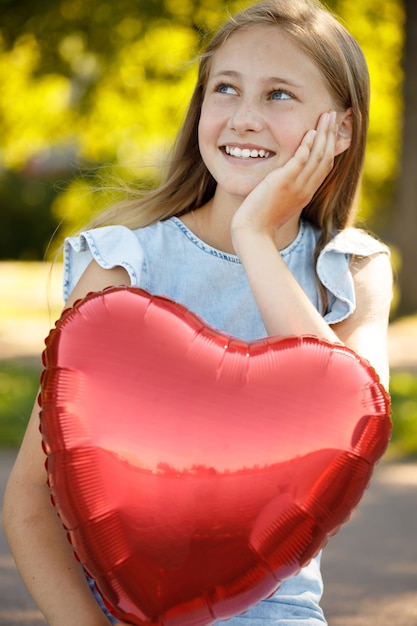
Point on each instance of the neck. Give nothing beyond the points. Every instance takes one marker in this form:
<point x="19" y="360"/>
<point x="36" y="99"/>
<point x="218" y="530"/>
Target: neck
<point x="212" y="224"/>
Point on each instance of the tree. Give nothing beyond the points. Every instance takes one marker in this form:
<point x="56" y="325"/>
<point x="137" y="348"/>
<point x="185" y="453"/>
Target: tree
<point x="378" y="27"/>
<point x="87" y="85"/>
<point x="404" y="214"/>
<point x="92" y="89"/>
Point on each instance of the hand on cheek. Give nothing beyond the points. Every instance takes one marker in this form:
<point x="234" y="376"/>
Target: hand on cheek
<point x="314" y="158"/>
<point x="284" y="192"/>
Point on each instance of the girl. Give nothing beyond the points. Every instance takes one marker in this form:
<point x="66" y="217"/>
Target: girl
<point x="251" y="231"/>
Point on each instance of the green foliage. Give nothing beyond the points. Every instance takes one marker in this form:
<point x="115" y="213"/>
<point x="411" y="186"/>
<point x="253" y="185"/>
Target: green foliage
<point x="93" y="82"/>
<point x="18" y="388"/>
<point x="25" y="217"/>
<point x="403" y="388"/>
<point x="379" y="29"/>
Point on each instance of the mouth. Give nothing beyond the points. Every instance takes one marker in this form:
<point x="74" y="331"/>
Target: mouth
<point x="246" y="153"/>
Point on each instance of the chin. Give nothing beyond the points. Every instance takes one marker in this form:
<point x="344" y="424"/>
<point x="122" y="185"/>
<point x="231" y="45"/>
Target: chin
<point x="239" y="190"/>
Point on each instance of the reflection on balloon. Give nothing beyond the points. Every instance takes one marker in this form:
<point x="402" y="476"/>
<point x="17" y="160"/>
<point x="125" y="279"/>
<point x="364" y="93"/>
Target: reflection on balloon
<point x="194" y="471"/>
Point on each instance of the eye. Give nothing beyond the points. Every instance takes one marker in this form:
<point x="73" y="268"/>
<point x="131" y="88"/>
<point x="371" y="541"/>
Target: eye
<point x="227" y="89"/>
<point x="280" y="94"/>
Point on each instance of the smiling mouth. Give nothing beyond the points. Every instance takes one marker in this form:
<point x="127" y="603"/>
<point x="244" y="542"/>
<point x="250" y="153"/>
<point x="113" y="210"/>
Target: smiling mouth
<point x="246" y="153"/>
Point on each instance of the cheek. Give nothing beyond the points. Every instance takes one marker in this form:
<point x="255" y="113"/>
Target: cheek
<point x="289" y="132"/>
<point x="202" y="138"/>
<point x="288" y="140"/>
<point x="214" y="116"/>
<point x="203" y="124"/>
<point x="208" y="131"/>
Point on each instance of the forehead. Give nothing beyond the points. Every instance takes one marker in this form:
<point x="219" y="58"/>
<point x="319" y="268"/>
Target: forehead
<point x="265" y="51"/>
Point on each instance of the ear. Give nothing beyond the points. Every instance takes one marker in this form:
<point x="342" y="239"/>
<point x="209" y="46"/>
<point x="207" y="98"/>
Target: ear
<point x="344" y="132"/>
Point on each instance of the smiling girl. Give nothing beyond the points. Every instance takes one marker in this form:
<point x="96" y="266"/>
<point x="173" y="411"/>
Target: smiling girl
<point x="251" y="230"/>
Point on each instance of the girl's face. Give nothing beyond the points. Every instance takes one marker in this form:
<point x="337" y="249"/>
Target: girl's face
<point x="262" y="96"/>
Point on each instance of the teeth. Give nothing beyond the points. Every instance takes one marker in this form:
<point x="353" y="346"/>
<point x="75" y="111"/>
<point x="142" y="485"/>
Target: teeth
<point x="246" y="153"/>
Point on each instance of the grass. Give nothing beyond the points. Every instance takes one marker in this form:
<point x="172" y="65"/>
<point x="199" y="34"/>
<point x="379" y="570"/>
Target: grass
<point x="19" y="384"/>
<point x="403" y="389"/>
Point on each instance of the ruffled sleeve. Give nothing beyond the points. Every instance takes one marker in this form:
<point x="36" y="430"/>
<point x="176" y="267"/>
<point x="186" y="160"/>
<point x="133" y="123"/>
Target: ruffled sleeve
<point x="334" y="272"/>
<point x="110" y="246"/>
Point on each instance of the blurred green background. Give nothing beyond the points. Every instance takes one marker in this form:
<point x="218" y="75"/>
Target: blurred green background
<point x="92" y="93"/>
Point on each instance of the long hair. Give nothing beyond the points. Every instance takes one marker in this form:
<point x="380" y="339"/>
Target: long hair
<point x="189" y="185"/>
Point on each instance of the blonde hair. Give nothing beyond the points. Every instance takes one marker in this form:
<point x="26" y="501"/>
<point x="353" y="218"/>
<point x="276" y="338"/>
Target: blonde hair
<point x="188" y="184"/>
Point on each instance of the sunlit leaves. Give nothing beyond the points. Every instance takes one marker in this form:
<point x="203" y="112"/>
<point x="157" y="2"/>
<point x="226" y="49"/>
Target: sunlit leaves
<point x="379" y="29"/>
<point x="108" y="82"/>
<point x="34" y="109"/>
<point x="140" y="100"/>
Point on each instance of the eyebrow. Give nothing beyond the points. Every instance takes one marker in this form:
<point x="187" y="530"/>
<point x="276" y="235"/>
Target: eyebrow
<point x="271" y="79"/>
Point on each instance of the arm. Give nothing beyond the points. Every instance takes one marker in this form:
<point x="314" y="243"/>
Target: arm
<point x="35" y="534"/>
<point x="286" y="310"/>
<point x="272" y="208"/>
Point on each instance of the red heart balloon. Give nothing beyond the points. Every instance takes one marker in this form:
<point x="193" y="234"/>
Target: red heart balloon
<point x="194" y="471"/>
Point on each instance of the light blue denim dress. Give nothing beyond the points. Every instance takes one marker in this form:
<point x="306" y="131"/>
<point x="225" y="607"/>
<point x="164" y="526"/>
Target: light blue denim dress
<point x="167" y="259"/>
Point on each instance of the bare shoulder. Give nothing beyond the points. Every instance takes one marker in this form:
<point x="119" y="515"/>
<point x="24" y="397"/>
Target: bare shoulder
<point x="96" y="278"/>
<point x="365" y="331"/>
<point x="373" y="281"/>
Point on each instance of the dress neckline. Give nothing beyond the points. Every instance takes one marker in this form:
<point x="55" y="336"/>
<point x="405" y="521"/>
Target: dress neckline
<point x="227" y="256"/>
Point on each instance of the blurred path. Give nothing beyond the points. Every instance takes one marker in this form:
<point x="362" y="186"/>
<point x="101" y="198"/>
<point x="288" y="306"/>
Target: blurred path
<point x="370" y="566"/>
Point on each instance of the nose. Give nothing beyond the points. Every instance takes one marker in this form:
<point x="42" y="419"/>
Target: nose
<point x="246" y="116"/>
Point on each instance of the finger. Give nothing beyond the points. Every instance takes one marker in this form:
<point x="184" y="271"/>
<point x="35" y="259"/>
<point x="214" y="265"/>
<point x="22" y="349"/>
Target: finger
<point x="314" y="142"/>
<point x="325" y="144"/>
<point x="321" y="155"/>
